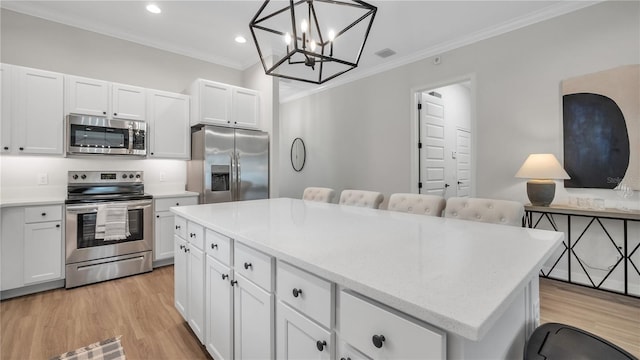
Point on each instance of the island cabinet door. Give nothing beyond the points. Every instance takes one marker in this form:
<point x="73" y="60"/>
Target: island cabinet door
<point x="300" y="338"/>
<point x="180" y="275"/>
<point x="219" y="310"/>
<point x="195" y="291"/>
<point x="381" y="333"/>
<point x="253" y="320"/>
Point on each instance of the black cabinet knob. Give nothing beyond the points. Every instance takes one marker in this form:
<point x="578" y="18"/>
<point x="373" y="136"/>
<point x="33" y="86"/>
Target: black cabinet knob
<point x="158" y="216"/>
<point x="214" y="246"/>
<point x="233" y="282"/>
<point x="345" y="358"/>
<point x="297" y="292"/>
<point x="225" y="276"/>
<point x="44" y="214"/>
<point x="321" y="344"/>
<point x="186" y="249"/>
<point x="6" y="148"/>
<point x="57" y="225"/>
<point x="177" y="204"/>
<point x="104" y="113"/>
<point x="181" y="247"/>
<point x="115" y="114"/>
<point x="21" y="148"/>
<point x="378" y="340"/>
<point x="177" y="227"/>
<point x="192" y="235"/>
<point x="247" y="266"/>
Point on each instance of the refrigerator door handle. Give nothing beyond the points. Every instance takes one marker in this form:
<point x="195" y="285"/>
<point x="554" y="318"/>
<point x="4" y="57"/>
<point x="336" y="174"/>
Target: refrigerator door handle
<point x="234" y="177"/>
<point x="238" y="176"/>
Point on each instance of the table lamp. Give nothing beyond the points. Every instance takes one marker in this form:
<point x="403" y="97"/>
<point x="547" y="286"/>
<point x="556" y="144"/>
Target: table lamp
<point x="542" y="169"/>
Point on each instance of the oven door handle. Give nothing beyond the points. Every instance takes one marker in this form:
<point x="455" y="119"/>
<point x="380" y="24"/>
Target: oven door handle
<point x="87" y="208"/>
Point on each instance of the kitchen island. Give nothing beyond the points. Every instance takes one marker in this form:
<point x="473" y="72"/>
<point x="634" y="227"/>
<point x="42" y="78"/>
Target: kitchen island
<point x="472" y="287"/>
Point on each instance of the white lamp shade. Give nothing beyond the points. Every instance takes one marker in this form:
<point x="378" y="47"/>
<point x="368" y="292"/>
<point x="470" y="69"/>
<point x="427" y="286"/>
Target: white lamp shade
<point x="542" y="166"/>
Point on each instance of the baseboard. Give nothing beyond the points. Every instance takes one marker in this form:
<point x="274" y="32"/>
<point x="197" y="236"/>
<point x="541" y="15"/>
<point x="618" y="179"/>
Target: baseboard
<point x="162" y="262"/>
<point x="31" y="289"/>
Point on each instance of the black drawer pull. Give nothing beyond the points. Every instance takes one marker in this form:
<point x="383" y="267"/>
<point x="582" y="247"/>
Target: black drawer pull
<point x="6" y="148"/>
<point x="378" y="340"/>
<point x="345" y="359"/>
<point x="214" y="246"/>
<point x="57" y="225"/>
<point x="321" y="344"/>
<point x="225" y="276"/>
<point x="192" y="235"/>
<point x="177" y="204"/>
<point x="247" y="266"/>
<point x="44" y="214"/>
<point x="21" y="148"/>
<point x="233" y="282"/>
<point x="177" y="227"/>
<point x="181" y="247"/>
<point x="297" y="292"/>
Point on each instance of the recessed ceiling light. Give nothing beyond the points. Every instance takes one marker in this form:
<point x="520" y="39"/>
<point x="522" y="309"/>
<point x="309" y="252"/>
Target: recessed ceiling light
<point x="153" y="8"/>
<point x="240" y="39"/>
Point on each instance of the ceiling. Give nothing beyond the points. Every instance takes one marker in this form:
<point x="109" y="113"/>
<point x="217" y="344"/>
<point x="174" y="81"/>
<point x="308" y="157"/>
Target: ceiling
<point x="206" y="29"/>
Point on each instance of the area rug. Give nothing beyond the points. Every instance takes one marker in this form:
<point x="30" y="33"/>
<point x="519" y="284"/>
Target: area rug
<point x="109" y="349"/>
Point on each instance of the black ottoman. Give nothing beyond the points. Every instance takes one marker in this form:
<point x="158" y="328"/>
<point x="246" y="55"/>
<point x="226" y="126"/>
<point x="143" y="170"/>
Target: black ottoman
<point x="554" y="341"/>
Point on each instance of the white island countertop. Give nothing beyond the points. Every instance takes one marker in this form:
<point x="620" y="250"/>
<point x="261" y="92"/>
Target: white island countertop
<point x="457" y="275"/>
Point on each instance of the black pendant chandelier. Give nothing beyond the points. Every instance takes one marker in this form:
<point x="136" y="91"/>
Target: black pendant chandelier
<point x="311" y="40"/>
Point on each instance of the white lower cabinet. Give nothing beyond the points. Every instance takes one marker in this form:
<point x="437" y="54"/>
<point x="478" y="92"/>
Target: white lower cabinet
<point x="189" y="275"/>
<point x="299" y="337"/>
<point x="381" y="333"/>
<point x="253" y="309"/>
<point x="32" y="246"/>
<point x="219" y="310"/>
<point x="163" y="244"/>
<point x="180" y="276"/>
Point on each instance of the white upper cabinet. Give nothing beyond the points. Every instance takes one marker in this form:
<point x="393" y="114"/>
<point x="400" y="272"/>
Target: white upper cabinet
<point x="216" y="103"/>
<point x="37" y="111"/>
<point x="169" y="129"/>
<point x="87" y="96"/>
<point x="5" y="112"/>
<point x="246" y="108"/>
<point x="101" y="98"/>
<point x="129" y="102"/>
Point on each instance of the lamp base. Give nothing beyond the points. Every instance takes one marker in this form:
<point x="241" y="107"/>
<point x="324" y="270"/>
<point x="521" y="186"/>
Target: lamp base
<point x="541" y="192"/>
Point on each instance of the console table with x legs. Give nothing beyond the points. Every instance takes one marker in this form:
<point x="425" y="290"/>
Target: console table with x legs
<point x="593" y="237"/>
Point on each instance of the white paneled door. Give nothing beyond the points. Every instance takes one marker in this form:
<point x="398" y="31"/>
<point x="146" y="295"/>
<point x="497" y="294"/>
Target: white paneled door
<point x="445" y="152"/>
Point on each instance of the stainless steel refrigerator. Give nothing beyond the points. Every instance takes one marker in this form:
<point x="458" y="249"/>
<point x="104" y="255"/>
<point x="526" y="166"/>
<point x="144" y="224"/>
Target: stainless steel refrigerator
<point x="228" y="164"/>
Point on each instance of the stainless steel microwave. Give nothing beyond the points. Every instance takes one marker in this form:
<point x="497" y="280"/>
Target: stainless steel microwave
<point x="99" y="135"/>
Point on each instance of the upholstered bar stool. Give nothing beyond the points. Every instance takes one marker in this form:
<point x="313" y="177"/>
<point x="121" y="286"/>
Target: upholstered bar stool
<point x="361" y="198"/>
<point x="431" y="205"/>
<point x="319" y="194"/>
<point x="485" y="210"/>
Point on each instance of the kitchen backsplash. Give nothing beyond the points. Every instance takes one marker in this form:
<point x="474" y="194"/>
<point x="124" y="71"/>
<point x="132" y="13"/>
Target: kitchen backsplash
<point x="22" y="176"/>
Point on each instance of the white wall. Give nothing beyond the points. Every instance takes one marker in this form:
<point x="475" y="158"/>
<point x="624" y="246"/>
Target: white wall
<point x="358" y="134"/>
<point x="38" y="43"/>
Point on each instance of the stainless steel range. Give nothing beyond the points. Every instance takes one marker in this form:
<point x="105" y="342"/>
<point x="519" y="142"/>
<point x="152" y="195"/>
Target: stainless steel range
<point x="109" y="229"/>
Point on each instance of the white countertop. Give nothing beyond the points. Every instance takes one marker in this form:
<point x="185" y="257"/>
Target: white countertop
<point x="456" y="275"/>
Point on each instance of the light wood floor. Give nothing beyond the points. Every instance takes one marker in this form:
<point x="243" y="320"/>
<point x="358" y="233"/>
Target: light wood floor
<point x="141" y="309"/>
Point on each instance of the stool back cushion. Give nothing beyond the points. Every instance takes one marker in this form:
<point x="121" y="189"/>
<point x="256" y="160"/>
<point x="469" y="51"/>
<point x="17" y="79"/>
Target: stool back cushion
<point x="319" y="194"/>
<point x="431" y="205"/>
<point x="485" y="210"/>
<point x="361" y="198"/>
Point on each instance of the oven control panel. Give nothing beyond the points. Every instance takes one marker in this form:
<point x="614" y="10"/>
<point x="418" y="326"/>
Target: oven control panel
<point x="99" y="177"/>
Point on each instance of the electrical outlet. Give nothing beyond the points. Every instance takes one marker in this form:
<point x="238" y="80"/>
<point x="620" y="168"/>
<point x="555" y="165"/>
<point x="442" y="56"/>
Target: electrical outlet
<point x="163" y="176"/>
<point x="43" y="179"/>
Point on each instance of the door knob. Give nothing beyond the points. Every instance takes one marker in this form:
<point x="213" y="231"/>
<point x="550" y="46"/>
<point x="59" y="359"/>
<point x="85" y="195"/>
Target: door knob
<point x="378" y="340"/>
<point x="321" y="344"/>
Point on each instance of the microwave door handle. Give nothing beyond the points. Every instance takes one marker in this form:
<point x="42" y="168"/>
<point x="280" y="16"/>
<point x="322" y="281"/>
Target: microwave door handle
<point x="130" y="142"/>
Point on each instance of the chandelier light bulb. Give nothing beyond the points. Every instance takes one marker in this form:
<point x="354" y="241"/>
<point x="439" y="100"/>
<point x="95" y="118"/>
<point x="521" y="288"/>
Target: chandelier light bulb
<point x="304" y="26"/>
<point x="312" y="45"/>
<point x="332" y="35"/>
<point x="287" y="38"/>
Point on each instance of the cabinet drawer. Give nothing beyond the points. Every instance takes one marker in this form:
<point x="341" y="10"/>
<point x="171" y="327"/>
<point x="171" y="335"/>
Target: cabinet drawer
<point x="218" y="246"/>
<point x="195" y="235"/>
<point x="165" y="204"/>
<point x="307" y="293"/>
<point x="253" y="265"/>
<point x="35" y="214"/>
<point x="180" y="228"/>
<point x="367" y="326"/>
